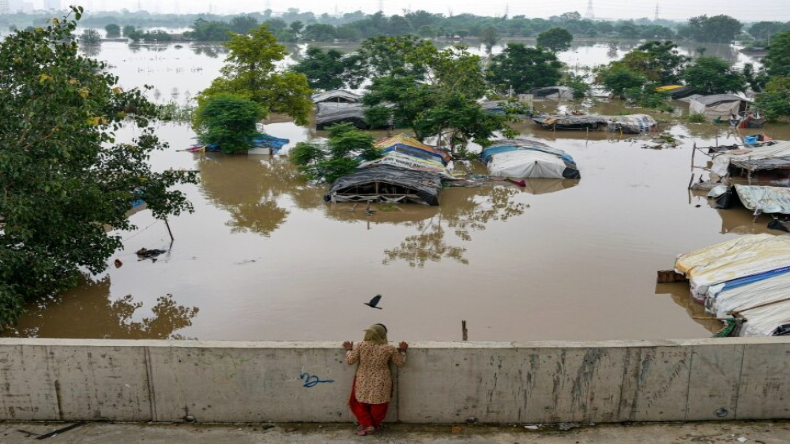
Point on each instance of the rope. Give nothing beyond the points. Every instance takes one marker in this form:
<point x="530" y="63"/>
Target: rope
<point x="141" y="231"/>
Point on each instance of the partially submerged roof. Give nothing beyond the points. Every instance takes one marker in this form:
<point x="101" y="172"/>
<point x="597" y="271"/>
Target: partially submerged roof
<point x="408" y="145"/>
<point x="336" y="95"/>
<point x="760" y="199"/>
<point x="552" y="92"/>
<point x="328" y="113"/>
<point x="716" y="99"/>
<point x="768" y="157"/>
<point x="386" y="183"/>
<point x="522" y="158"/>
<point x="733" y="259"/>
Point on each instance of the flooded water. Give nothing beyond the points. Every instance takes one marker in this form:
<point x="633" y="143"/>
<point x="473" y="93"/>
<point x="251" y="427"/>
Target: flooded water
<point x="264" y="258"/>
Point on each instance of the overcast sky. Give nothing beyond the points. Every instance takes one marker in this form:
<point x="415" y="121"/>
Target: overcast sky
<point x="755" y="10"/>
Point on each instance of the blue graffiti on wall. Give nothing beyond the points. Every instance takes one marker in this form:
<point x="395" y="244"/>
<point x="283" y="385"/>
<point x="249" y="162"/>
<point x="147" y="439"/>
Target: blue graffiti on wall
<point x="313" y="380"/>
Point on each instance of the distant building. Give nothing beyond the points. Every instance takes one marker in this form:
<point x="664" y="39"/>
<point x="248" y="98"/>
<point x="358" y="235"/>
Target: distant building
<point x="4" y="7"/>
<point x="20" y="6"/>
<point x="52" y="5"/>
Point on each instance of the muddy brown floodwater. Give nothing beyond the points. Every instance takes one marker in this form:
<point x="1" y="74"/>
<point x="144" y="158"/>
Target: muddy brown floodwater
<point x="264" y="258"/>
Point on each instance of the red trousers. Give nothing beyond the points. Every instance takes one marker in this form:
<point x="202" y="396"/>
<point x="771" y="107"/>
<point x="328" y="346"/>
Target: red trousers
<point x="368" y="415"/>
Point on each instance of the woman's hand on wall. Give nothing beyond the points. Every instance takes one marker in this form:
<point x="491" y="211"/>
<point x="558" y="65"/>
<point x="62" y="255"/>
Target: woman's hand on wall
<point x="348" y="345"/>
<point x="403" y="346"/>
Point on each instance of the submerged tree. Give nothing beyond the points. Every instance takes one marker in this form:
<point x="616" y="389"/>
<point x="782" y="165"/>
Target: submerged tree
<point x="63" y="177"/>
<point x="555" y="40"/>
<point x="339" y="157"/>
<point x="113" y="30"/>
<point x="228" y="121"/>
<point x="712" y="75"/>
<point x="524" y="68"/>
<point x="251" y="71"/>
<point x="777" y="62"/>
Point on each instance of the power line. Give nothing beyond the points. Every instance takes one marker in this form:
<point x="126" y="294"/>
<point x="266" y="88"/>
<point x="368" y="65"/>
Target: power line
<point x="656" y="19"/>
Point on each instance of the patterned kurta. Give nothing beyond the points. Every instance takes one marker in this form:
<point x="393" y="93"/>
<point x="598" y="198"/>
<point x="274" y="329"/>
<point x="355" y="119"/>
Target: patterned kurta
<point x="374" y="381"/>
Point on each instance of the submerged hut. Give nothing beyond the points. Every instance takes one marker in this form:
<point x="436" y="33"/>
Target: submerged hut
<point x="745" y="279"/>
<point x="774" y="157"/>
<point x="387" y="183"/>
<point x="758" y="199"/>
<point x="552" y="92"/>
<point x="523" y="158"/>
<point x="336" y="96"/>
<point x="328" y="114"/>
<point x="629" y="124"/>
<point x="720" y="106"/>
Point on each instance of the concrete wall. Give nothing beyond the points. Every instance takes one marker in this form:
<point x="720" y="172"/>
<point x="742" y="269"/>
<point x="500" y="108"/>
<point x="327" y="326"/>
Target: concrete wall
<point x="540" y="382"/>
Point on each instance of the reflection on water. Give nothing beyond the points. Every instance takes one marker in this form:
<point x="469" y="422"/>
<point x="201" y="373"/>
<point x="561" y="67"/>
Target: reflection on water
<point x="90" y="312"/>
<point x="681" y="295"/>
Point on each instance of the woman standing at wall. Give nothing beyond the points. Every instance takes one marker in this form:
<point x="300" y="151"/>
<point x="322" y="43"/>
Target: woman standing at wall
<point x="372" y="389"/>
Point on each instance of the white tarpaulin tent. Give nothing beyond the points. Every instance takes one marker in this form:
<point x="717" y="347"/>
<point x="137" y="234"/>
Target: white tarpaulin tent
<point x="776" y="156"/>
<point x="718" y="105"/>
<point x="522" y="164"/>
<point x="763" y="321"/>
<point x="734" y="259"/>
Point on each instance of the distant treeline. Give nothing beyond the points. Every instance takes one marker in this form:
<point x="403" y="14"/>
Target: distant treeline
<point x="294" y="26"/>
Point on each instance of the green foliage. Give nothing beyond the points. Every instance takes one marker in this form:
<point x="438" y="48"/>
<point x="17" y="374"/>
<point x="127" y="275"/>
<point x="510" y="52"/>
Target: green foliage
<point x="712" y="75"/>
<point x="524" y="68"/>
<point x="90" y="37"/>
<point x="243" y="24"/>
<point x="646" y="96"/>
<point x="766" y="30"/>
<point x="555" y="40"/>
<point x="657" y="62"/>
<point x="489" y="37"/>
<point x="719" y="28"/>
<point x="755" y="79"/>
<point x="339" y="158"/>
<point x="578" y="83"/>
<point x="113" y="31"/>
<point x="401" y="56"/>
<point x="64" y="179"/>
<point x="330" y="69"/>
<point x="696" y="118"/>
<point x="250" y="71"/>
<point x="209" y="31"/>
<point x="777" y="62"/>
<point x="617" y="78"/>
<point x="378" y="116"/>
<point x="775" y="101"/>
<point x="228" y="121"/>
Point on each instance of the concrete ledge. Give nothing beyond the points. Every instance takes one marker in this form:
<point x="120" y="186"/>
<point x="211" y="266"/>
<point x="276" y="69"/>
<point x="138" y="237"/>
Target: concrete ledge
<point x="442" y="382"/>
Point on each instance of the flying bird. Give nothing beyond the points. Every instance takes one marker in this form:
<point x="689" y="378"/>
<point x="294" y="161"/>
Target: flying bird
<point x="374" y="302"/>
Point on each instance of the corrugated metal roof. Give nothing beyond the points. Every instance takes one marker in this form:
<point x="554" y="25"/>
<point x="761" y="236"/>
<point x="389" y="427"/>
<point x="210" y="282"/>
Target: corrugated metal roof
<point x="767" y="200"/>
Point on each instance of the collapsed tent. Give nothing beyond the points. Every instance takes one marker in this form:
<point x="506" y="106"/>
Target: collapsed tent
<point x="336" y="96"/>
<point x="552" y="92"/>
<point x="759" y="199"/>
<point x="676" y="91"/>
<point x="386" y="183"/>
<point x="523" y="158"/>
<point x="632" y="123"/>
<point x="629" y="124"/>
<point x="275" y="144"/>
<point x="737" y="258"/>
<point x="571" y="122"/>
<point x="770" y="157"/>
<point x="717" y="105"/>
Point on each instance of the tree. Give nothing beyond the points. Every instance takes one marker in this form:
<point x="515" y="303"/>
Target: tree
<point x="296" y="27"/>
<point x="777" y="62"/>
<point x="719" y="28"/>
<point x="250" y="71"/>
<point x="766" y="30"/>
<point x="339" y="157"/>
<point x="209" y="31"/>
<point x="318" y="32"/>
<point x="90" y="37"/>
<point x="228" y="121"/>
<point x="324" y="70"/>
<point x="775" y="101"/>
<point x="618" y="78"/>
<point x="113" y="31"/>
<point x="401" y="55"/>
<point x="524" y="68"/>
<point x="242" y="24"/>
<point x="712" y="75"/>
<point x="555" y="40"/>
<point x="128" y="30"/>
<point x="63" y="176"/>
<point x="489" y="38"/>
<point x="657" y="61"/>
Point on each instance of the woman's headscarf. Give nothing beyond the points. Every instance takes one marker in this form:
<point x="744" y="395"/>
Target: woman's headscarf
<point x="376" y="333"/>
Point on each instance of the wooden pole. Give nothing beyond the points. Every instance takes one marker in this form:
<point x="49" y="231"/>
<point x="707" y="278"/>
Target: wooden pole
<point x="693" y="153"/>
<point x="464" y="332"/>
<point x="167" y="224"/>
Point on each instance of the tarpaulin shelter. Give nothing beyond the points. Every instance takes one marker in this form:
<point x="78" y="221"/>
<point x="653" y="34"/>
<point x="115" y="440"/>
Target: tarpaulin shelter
<point x="522" y="158"/>
<point x="328" y="113"/>
<point x="336" y="96"/>
<point x="570" y="122"/>
<point x="769" y="157"/>
<point x="386" y="183"/>
<point x="676" y="91"/>
<point x="734" y="259"/>
<point x="275" y="144"/>
<point x="552" y="92"/>
<point x="759" y="199"/>
<point x="632" y="123"/>
<point x="717" y="105"/>
<point x="408" y="145"/>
